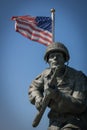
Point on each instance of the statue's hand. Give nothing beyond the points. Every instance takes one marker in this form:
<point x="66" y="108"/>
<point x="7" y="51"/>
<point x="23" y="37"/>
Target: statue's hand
<point x="51" y="92"/>
<point x="54" y="96"/>
<point x="38" y="102"/>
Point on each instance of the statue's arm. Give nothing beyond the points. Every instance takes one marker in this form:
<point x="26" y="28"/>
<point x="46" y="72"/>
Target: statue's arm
<point x="75" y="103"/>
<point x="36" y="89"/>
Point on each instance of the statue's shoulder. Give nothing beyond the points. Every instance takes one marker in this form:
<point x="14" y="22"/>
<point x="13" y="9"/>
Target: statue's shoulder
<point x="72" y="70"/>
<point x="75" y="72"/>
<point x="43" y="74"/>
<point x="46" y="71"/>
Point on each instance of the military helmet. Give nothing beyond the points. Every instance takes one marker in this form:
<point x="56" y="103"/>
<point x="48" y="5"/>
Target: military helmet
<point x="57" y="47"/>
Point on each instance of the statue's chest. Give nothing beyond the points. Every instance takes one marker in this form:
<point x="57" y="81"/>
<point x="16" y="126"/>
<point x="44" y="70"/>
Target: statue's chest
<point x="65" y="84"/>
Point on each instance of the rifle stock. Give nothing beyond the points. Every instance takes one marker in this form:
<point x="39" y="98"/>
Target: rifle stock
<point x="44" y="104"/>
<point x="41" y="112"/>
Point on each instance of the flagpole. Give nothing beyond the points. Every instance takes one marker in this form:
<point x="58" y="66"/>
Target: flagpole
<point x="53" y="24"/>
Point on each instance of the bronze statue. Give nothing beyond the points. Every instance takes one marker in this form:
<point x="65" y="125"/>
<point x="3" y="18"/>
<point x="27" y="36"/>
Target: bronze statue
<point x="61" y="88"/>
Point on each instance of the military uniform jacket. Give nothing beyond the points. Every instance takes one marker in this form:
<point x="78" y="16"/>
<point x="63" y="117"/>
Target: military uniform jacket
<point x="72" y="97"/>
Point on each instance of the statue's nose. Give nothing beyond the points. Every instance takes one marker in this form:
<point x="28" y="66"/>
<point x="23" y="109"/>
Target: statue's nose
<point x="55" y="57"/>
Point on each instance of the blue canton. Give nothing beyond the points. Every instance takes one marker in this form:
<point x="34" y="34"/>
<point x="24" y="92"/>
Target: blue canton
<point x="44" y="23"/>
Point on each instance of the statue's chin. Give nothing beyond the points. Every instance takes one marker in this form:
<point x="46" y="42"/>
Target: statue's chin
<point x="56" y="66"/>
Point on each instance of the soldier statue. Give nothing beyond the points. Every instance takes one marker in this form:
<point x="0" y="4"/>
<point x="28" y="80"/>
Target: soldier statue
<point x="67" y="95"/>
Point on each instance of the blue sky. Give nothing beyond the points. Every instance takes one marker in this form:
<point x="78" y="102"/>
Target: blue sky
<point x="22" y="59"/>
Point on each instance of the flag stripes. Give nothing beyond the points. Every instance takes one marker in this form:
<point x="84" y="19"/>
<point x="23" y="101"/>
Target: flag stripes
<point x="29" y="29"/>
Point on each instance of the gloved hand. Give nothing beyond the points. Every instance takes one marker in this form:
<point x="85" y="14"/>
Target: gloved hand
<point x="38" y="102"/>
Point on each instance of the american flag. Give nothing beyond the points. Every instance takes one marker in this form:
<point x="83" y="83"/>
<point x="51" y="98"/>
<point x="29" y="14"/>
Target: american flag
<point x="34" y="28"/>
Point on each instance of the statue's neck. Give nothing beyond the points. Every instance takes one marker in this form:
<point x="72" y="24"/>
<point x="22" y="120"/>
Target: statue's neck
<point x="61" y="71"/>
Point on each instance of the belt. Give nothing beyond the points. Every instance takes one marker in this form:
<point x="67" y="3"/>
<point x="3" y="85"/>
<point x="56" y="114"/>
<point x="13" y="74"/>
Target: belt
<point x="59" y="116"/>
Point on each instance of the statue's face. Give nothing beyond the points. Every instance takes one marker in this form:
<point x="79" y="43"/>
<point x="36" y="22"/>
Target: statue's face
<point x="56" y="59"/>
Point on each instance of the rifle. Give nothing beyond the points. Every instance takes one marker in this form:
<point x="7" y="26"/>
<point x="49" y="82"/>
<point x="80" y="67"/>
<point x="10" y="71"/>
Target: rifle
<point x="45" y="102"/>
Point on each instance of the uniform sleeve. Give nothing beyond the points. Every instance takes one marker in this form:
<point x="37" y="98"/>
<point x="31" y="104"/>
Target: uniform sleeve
<point x="77" y="102"/>
<point x="36" y="89"/>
